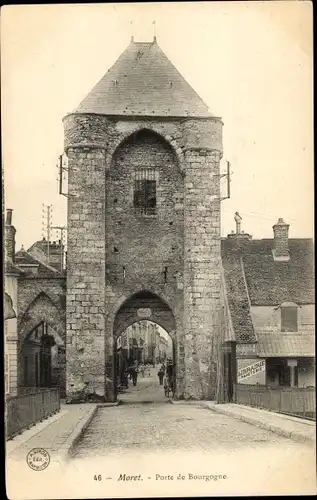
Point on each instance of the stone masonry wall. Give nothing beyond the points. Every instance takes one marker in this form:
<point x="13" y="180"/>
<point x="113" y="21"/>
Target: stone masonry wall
<point x="151" y="241"/>
<point x="41" y="300"/>
<point x="85" y="304"/>
<point x="101" y="220"/>
<point x="202" y="269"/>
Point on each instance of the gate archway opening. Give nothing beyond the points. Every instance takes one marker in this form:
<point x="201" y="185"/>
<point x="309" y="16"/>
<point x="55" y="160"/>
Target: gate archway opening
<point x="42" y="359"/>
<point x="144" y="345"/>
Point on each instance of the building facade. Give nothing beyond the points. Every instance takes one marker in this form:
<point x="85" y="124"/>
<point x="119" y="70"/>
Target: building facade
<point x="143" y="221"/>
<point x="270" y="286"/>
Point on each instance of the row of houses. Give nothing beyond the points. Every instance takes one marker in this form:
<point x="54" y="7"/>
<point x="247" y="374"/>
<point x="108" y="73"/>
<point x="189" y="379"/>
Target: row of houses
<point x="152" y="342"/>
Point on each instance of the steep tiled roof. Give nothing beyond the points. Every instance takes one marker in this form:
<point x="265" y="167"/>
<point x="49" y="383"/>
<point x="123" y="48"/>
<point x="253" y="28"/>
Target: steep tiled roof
<point x="11" y="268"/>
<point x="252" y="276"/>
<point x="143" y="82"/>
<point x="285" y="344"/>
<point x="238" y="299"/>
<point x="23" y="258"/>
<point x="271" y="283"/>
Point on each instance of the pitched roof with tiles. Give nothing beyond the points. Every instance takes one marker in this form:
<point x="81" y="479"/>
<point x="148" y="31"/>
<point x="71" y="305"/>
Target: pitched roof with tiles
<point x="271" y="282"/>
<point x="286" y="345"/>
<point x="238" y="301"/>
<point x="254" y="278"/>
<point x="11" y="269"/>
<point x="23" y="258"/>
<point x="143" y="82"/>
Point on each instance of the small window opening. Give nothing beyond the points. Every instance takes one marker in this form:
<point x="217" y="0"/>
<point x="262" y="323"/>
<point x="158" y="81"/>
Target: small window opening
<point x="289" y="320"/>
<point x="165" y="275"/>
<point x="145" y="192"/>
<point x="115" y="250"/>
<point x="123" y="274"/>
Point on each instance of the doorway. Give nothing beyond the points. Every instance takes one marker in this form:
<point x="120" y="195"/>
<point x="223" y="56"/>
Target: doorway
<point x="144" y="364"/>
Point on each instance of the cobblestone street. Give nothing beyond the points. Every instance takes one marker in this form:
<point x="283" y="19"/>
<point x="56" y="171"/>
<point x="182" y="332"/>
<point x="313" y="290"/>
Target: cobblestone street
<point x="147" y="389"/>
<point x="161" y="439"/>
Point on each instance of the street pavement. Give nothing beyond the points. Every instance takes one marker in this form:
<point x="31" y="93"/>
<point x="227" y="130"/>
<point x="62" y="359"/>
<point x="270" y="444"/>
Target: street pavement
<point x="147" y="446"/>
<point x="147" y="389"/>
<point x="159" y="438"/>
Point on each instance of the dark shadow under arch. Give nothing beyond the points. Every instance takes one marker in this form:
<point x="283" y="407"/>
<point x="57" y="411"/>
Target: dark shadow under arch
<point x="143" y="302"/>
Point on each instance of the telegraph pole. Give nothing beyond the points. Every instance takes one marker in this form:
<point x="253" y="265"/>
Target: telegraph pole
<point x="47" y="220"/>
<point x="61" y="229"/>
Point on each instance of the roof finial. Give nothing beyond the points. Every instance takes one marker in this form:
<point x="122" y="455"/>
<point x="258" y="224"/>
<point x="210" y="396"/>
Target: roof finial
<point x="154" y="31"/>
<point x="238" y="219"/>
<point x="132" y="36"/>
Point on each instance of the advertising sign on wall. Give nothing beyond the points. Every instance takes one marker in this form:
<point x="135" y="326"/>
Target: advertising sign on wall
<point x="255" y="371"/>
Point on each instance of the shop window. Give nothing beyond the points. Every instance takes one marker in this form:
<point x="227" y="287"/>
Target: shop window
<point x="289" y="319"/>
<point x="144" y="196"/>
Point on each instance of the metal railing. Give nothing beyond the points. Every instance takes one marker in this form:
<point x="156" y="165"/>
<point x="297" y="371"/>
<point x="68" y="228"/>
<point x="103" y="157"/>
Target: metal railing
<point x="300" y="402"/>
<point x="25" y="410"/>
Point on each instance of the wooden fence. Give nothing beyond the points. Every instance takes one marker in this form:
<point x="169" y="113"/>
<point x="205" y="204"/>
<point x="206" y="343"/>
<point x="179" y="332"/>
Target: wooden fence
<point x="300" y="402"/>
<point x="25" y="410"/>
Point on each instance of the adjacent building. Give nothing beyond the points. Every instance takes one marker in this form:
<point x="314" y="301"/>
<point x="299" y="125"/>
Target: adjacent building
<point x="11" y="275"/>
<point x="270" y="289"/>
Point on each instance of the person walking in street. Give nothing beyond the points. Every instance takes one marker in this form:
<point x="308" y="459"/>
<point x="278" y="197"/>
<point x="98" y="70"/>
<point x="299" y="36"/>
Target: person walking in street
<point x="161" y="375"/>
<point x="134" y="374"/>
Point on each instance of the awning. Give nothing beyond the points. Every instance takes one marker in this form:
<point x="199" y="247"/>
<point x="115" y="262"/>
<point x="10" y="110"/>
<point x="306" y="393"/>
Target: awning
<point x="285" y="345"/>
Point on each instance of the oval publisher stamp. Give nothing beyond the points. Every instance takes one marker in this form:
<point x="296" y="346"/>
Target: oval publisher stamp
<point x="38" y="459"/>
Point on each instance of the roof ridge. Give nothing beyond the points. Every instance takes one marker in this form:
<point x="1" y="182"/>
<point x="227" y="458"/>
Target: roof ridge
<point x="39" y="261"/>
<point x="143" y="84"/>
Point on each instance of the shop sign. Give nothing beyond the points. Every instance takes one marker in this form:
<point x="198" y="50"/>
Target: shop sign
<point x="144" y="313"/>
<point x="251" y="370"/>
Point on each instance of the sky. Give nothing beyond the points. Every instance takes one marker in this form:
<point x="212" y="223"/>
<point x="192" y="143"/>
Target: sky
<point x="251" y="62"/>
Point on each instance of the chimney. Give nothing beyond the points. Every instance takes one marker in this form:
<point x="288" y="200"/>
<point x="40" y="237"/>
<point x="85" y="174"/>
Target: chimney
<point x="281" y="251"/>
<point x="9" y="237"/>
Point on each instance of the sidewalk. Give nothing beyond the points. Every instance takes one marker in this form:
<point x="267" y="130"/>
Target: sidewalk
<point x="57" y="434"/>
<point x="294" y="428"/>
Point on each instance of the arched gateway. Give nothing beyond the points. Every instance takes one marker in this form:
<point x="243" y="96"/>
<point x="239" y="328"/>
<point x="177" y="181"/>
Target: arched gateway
<point x="145" y="305"/>
<point x="143" y="221"/>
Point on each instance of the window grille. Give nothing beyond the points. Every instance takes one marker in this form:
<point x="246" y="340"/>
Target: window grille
<point x="144" y="199"/>
<point x="289" y="321"/>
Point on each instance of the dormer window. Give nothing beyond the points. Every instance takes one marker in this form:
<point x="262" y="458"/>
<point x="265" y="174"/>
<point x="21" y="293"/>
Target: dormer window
<point x="289" y="318"/>
<point x="144" y="196"/>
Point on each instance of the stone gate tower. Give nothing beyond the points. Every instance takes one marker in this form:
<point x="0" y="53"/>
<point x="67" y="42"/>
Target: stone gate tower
<point x="143" y="221"/>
